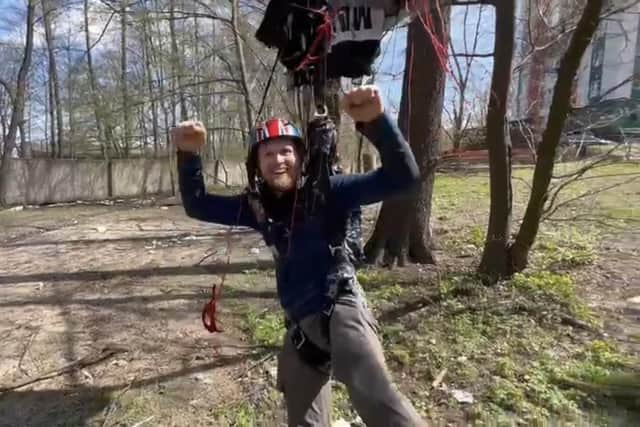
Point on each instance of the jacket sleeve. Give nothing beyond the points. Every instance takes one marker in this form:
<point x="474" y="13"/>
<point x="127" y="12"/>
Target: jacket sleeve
<point x="198" y="204"/>
<point x="398" y="174"/>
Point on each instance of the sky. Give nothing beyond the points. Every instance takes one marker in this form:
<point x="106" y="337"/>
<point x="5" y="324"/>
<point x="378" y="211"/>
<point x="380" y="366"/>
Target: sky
<point x="389" y="64"/>
<point x="392" y="58"/>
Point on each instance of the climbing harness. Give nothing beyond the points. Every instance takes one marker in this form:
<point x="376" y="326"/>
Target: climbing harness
<point x="318" y="41"/>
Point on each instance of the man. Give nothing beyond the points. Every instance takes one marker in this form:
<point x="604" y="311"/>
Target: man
<point x="330" y="331"/>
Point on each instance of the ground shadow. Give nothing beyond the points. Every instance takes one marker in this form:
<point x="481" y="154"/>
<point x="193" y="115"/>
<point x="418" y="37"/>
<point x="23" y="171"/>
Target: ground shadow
<point x="229" y="293"/>
<point x="75" y="406"/>
<point x="158" y="238"/>
<point x="178" y="270"/>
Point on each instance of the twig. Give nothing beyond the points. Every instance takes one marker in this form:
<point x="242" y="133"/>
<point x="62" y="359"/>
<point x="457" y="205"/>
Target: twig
<point x="262" y="360"/>
<point x="26" y="349"/>
<point x="206" y="256"/>
<point x="552" y="210"/>
<point x="146" y="420"/>
<point x="439" y="378"/>
<point x="578" y="324"/>
<point x="599" y="219"/>
<point x="105" y="354"/>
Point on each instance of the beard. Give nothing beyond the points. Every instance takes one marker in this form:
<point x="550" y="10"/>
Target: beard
<point x="282" y="183"/>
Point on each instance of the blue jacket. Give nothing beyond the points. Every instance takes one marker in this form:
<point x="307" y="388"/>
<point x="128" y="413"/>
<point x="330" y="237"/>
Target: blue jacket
<point x="301" y="270"/>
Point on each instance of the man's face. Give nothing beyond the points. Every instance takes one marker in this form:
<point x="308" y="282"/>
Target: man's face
<point x="279" y="164"/>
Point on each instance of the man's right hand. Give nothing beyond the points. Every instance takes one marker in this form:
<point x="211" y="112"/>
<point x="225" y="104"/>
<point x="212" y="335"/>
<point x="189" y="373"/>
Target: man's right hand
<point x="189" y="136"/>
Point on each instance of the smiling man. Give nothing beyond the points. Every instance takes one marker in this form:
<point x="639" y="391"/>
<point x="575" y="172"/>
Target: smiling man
<point x="330" y="330"/>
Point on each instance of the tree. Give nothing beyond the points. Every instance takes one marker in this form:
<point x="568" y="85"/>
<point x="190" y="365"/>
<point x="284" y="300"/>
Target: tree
<point x="493" y="261"/>
<point x="124" y="78"/>
<point x="17" y="114"/>
<point x="54" y="83"/>
<point x="241" y="61"/>
<point x="104" y="136"/>
<point x="546" y="154"/>
<point x="503" y="257"/>
<point x="403" y="226"/>
<point x="176" y="64"/>
<point x="459" y="114"/>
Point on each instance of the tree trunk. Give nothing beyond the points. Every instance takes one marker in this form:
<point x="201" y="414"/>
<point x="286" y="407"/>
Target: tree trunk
<point x="242" y="64"/>
<point x="105" y="144"/>
<point x="495" y="261"/>
<point x="403" y="227"/>
<point x="147" y="54"/>
<point x="17" y="113"/>
<point x="53" y="76"/>
<point x="26" y="149"/>
<point x="546" y="153"/>
<point x="71" y="151"/>
<point x="55" y="151"/>
<point x="126" y="113"/>
<point x="176" y="63"/>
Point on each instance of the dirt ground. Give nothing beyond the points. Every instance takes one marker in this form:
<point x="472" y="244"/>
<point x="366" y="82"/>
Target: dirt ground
<point x="79" y="280"/>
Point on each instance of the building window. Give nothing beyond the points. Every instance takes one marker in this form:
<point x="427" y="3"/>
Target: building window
<point x="597" y="59"/>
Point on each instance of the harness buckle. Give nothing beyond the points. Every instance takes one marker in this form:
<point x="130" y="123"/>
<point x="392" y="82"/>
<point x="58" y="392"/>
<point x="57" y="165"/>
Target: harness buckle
<point x="334" y="248"/>
<point x="298" y="338"/>
<point x="329" y="310"/>
<point x="321" y="112"/>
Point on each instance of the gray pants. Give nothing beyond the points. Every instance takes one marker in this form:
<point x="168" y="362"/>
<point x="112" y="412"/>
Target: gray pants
<point x="357" y="361"/>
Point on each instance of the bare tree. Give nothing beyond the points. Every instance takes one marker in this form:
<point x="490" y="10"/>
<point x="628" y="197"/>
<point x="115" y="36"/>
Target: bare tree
<point x="54" y="83"/>
<point x="176" y="64"/>
<point x="558" y="112"/>
<point x="17" y="115"/>
<point x="104" y="137"/>
<point x="403" y="226"/>
<point x="463" y="62"/>
<point x="241" y="62"/>
<point x="498" y="141"/>
<point x="126" y="110"/>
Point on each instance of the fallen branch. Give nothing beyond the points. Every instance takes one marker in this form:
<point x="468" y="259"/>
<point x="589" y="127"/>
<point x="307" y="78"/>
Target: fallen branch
<point x="439" y="378"/>
<point x="26" y="350"/>
<point x="84" y="362"/>
<point x="575" y="323"/>
<point x="261" y="361"/>
<point x="206" y="256"/>
<point x="146" y="420"/>
<point x="617" y="391"/>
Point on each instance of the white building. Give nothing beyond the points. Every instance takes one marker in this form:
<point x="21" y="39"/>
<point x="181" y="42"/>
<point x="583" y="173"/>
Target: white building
<point x="609" y="76"/>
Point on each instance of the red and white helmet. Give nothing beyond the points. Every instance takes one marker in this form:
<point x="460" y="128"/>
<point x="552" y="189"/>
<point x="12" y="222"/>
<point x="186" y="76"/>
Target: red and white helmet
<point x="264" y="132"/>
<point x="271" y="129"/>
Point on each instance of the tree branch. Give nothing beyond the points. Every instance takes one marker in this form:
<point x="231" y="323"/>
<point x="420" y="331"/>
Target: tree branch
<point x="614" y="88"/>
<point x="8" y="89"/>
<point x="472" y="2"/>
<point x="474" y="55"/>
<point x="549" y="212"/>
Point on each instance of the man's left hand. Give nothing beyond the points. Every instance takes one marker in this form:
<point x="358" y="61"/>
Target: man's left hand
<point x="363" y="104"/>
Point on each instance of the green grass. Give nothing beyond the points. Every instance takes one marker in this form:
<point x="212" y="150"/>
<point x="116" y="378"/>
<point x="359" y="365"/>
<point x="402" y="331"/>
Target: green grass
<point x="565" y="248"/>
<point x="508" y="344"/>
<point x="264" y="328"/>
<point x="505" y="344"/>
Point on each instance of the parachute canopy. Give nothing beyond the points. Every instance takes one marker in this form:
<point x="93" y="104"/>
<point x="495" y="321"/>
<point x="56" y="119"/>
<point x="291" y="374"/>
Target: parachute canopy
<point x="343" y="35"/>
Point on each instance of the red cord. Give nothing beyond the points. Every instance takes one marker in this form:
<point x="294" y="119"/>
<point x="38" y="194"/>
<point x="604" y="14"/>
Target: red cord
<point x="209" y="319"/>
<point x="424" y="16"/>
<point x="324" y="32"/>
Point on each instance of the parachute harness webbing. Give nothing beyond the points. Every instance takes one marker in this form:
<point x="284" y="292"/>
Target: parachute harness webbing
<point x="324" y="33"/>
